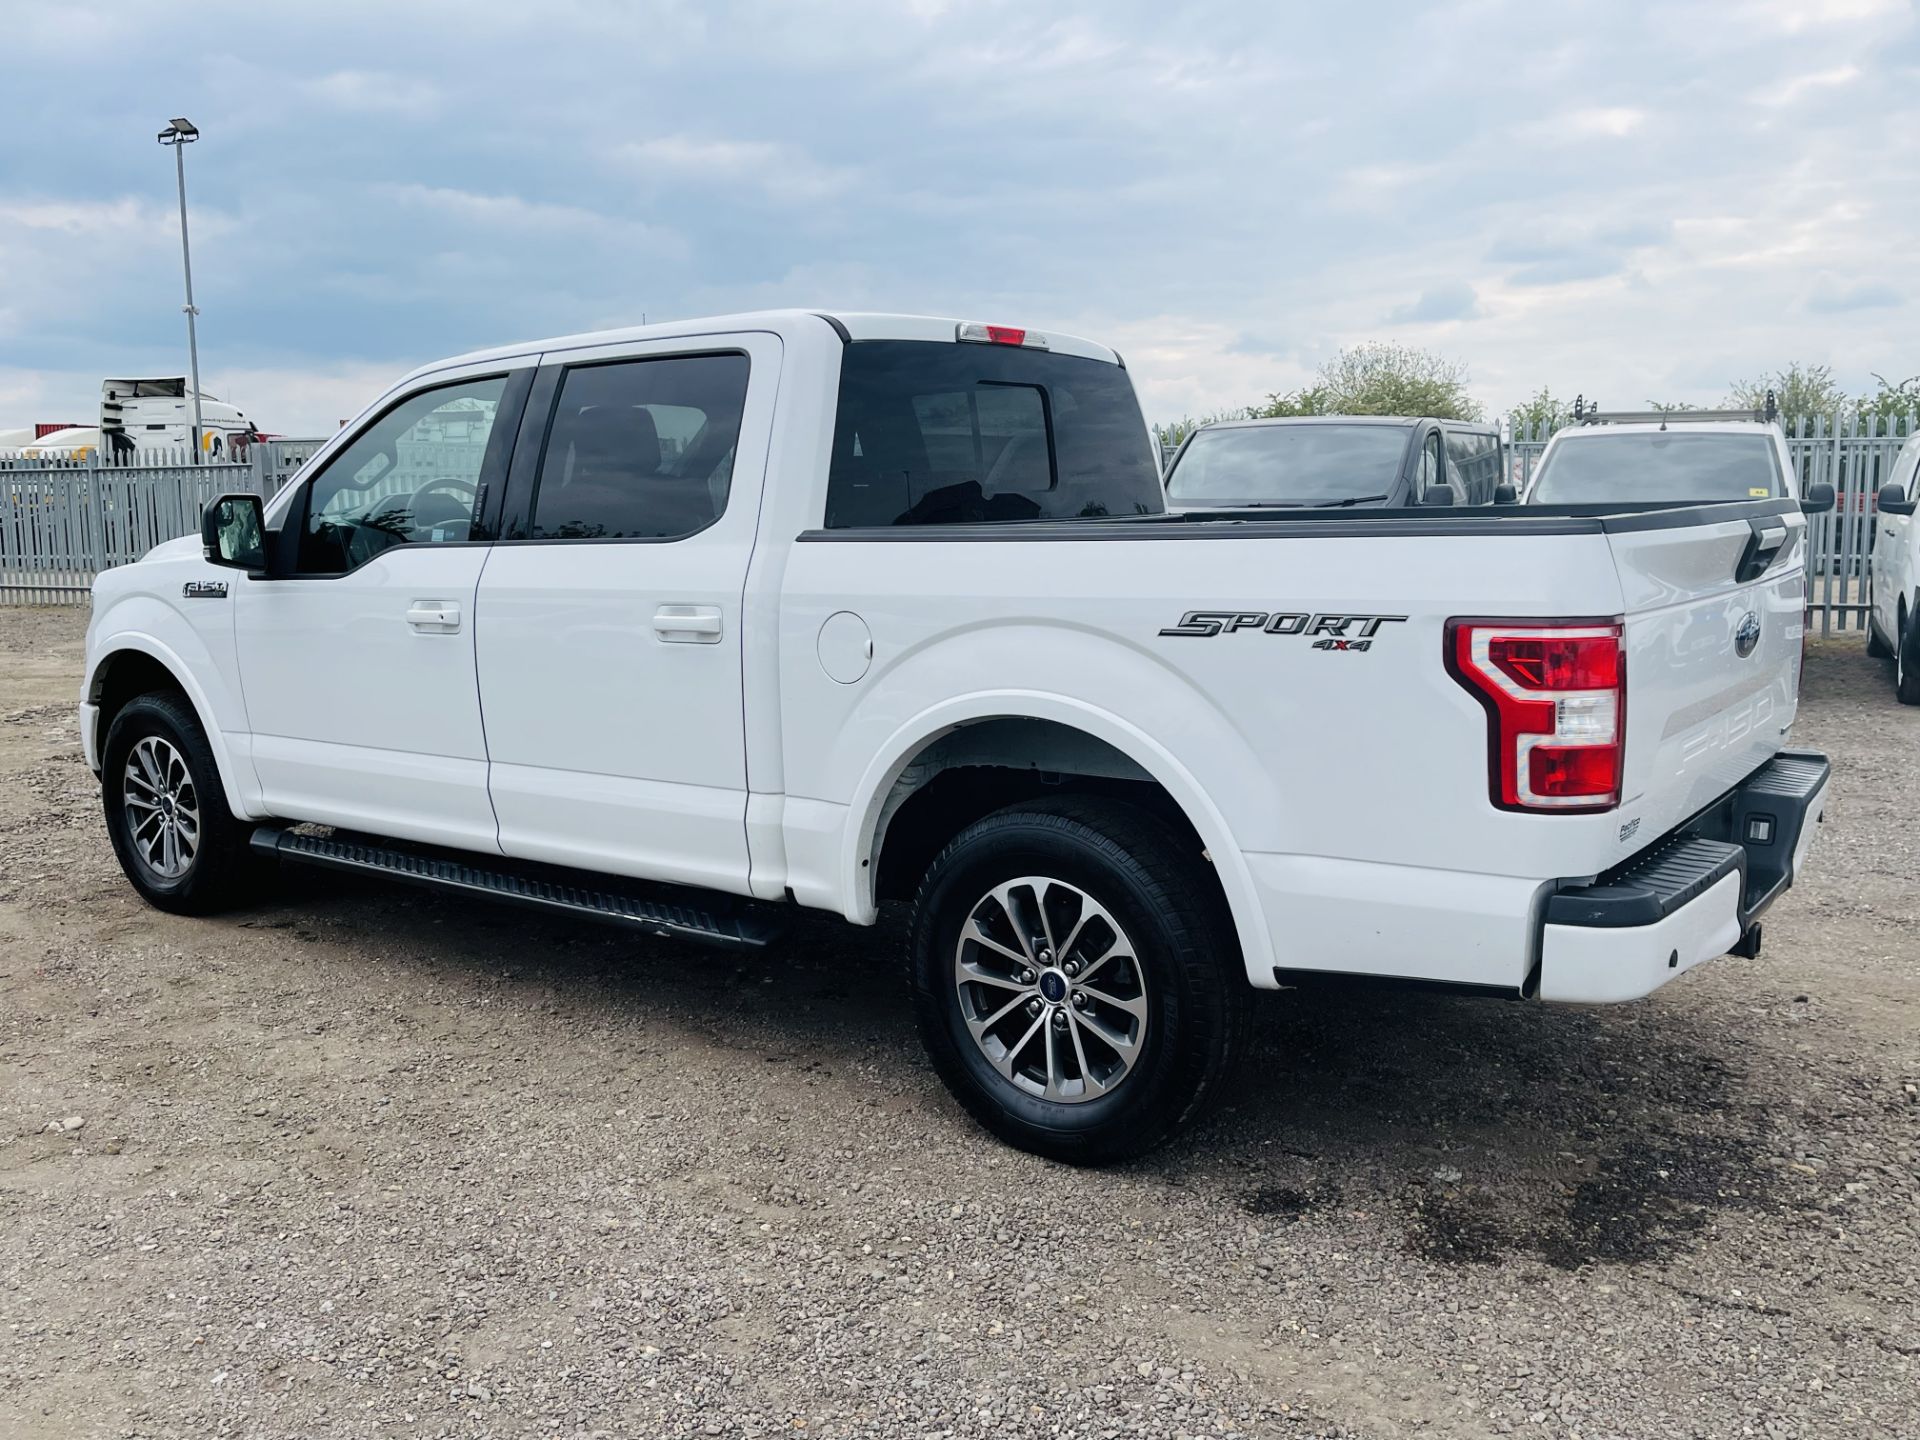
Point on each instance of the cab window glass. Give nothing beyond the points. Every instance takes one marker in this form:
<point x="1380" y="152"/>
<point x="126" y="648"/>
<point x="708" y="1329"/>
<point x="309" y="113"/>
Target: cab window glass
<point x="941" y="433"/>
<point x="640" y="449"/>
<point x="412" y="477"/>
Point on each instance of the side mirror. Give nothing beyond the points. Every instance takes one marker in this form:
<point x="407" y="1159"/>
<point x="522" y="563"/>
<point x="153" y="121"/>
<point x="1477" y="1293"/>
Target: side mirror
<point x="233" y="533"/>
<point x="1438" y="495"/>
<point x="1818" y="499"/>
<point x="1506" y="495"/>
<point x="1893" y="500"/>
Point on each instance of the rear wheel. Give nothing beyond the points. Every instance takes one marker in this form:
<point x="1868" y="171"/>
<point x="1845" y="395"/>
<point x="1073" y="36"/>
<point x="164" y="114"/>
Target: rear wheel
<point x="1906" y="659"/>
<point x="1076" y="979"/>
<point x="166" y="812"/>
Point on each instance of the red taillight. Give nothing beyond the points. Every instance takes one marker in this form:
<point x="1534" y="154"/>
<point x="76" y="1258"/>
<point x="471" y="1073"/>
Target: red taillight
<point x="979" y="334"/>
<point x="1555" y="693"/>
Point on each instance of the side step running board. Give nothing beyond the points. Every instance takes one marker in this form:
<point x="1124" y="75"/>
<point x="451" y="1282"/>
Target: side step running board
<point x="656" y="910"/>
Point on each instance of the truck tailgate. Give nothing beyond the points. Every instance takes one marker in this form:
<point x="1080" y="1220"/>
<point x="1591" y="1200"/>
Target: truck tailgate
<point x="1714" y="619"/>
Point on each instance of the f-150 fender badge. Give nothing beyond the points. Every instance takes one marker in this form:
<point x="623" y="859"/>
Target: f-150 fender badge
<point x="1357" y="631"/>
<point x="204" y="589"/>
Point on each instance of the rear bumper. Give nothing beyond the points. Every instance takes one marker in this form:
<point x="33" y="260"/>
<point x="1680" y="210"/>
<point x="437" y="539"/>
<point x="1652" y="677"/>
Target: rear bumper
<point x="1689" y="897"/>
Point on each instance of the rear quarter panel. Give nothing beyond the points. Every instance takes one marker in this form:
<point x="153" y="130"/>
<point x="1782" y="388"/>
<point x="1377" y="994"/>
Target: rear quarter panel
<point x="1331" y="773"/>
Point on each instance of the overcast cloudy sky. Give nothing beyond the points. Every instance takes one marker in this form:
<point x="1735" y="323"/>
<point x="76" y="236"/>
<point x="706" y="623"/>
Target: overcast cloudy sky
<point x="1635" y="201"/>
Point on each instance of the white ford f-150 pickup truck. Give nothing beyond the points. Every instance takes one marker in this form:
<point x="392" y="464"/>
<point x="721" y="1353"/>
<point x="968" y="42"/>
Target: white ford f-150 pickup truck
<point x="681" y="626"/>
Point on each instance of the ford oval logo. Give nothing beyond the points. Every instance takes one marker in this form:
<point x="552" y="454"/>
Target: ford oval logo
<point x="1747" y="636"/>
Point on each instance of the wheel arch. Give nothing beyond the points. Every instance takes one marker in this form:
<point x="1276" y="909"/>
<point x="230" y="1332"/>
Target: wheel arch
<point x="133" y="663"/>
<point x="1022" y="735"/>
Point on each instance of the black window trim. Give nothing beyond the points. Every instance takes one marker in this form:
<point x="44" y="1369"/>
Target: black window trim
<point x="493" y="469"/>
<point x="522" y="487"/>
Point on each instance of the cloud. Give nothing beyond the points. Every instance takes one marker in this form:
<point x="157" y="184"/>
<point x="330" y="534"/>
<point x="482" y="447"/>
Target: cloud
<point x="375" y="92"/>
<point x="1865" y="296"/>
<point x="1592" y="122"/>
<point x="782" y="171"/>
<point x="1230" y="201"/>
<point x="1800" y="86"/>
<point x="1454" y="300"/>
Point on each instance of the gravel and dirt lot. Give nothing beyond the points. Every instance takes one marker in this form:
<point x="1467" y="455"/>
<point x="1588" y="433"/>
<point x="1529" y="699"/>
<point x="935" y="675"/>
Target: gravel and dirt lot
<point x="360" y="1161"/>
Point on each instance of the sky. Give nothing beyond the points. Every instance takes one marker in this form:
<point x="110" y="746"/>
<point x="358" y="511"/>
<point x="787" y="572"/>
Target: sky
<point x="1631" y="201"/>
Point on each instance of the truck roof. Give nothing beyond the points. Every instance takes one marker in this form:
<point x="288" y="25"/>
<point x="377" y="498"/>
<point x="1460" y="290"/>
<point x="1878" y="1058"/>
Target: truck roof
<point x="1671" y="427"/>
<point x="851" y="324"/>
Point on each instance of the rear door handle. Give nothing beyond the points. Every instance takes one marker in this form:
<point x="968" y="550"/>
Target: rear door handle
<point x="434" y="617"/>
<point x="688" y="624"/>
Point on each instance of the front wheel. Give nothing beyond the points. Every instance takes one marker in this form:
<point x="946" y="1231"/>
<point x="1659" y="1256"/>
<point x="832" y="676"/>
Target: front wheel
<point x="166" y="813"/>
<point x="1077" y="982"/>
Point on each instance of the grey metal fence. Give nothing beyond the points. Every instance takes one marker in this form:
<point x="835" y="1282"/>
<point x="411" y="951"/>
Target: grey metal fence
<point x="64" y="521"/>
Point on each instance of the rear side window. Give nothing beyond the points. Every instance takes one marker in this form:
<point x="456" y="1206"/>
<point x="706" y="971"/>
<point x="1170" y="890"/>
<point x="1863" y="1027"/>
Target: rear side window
<point x="932" y="433"/>
<point x="640" y="449"/>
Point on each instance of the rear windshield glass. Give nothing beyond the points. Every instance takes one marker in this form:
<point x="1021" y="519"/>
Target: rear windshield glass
<point x="1656" y="466"/>
<point x="935" y="433"/>
<point x="1288" y="465"/>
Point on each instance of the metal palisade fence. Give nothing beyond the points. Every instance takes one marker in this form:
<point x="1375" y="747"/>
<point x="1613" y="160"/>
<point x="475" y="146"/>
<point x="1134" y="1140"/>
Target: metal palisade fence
<point x="64" y="521"/>
<point x="1852" y="453"/>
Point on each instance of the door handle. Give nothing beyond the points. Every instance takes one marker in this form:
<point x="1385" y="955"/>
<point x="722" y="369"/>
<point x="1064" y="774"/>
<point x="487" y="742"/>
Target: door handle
<point x="434" y="617"/>
<point x="688" y="624"/>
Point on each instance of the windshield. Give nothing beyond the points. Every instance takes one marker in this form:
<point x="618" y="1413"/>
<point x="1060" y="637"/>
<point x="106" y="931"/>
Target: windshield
<point x="1656" y="466"/>
<point x="1288" y="464"/>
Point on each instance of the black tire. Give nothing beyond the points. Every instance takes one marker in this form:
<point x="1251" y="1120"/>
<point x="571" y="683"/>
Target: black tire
<point x="1906" y="657"/>
<point x="1155" y="883"/>
<point x="221" y="869"/>
<point x="1877" y="647"/>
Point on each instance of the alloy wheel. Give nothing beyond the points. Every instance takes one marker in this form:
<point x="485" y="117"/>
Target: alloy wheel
<point x="162" y="807"/>
<point x="1051" y="989"/>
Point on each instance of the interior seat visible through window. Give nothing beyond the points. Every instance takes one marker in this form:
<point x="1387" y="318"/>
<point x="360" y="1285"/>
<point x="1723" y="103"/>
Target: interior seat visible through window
<point x="640" y="449"/>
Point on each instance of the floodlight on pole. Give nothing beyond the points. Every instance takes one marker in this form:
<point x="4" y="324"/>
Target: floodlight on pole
<point x="179" y="134"/>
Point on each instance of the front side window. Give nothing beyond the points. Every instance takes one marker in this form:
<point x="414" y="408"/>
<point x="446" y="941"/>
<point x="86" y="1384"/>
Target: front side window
<point x="412" y="477"/>
<point x="937" y="433"/>
<point x="640" y="449"/>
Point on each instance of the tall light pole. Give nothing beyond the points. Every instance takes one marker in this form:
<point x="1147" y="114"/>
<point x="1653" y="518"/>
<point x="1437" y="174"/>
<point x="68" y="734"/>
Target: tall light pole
<point x="180" y="134"/>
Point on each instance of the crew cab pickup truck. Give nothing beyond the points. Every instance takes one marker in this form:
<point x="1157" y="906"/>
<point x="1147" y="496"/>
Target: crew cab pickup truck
<point x="685" y="626"/>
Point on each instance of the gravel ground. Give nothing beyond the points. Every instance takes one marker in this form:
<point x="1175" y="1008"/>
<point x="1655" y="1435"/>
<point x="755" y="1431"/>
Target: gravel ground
<point x="360" y="1162"/>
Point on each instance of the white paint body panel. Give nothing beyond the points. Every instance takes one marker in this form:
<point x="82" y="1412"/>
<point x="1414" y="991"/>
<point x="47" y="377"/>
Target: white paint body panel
<point x="614" y="746"/>
<point x="1896" y="547"/>
<point x="359" y="717"/>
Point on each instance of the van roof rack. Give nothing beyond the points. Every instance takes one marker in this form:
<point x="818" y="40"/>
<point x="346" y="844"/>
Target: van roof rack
<point x="1585" y="414"/>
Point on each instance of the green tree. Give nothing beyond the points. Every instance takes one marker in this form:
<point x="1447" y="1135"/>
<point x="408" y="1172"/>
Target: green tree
<point x="1308" y="400"/>
<point x="1798" y="390"/>
<point x="1175" y="431"/>
<point x="1382" y="378"/>
<point x="1541" y="415"/>
<point x="1892" y="399"/>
